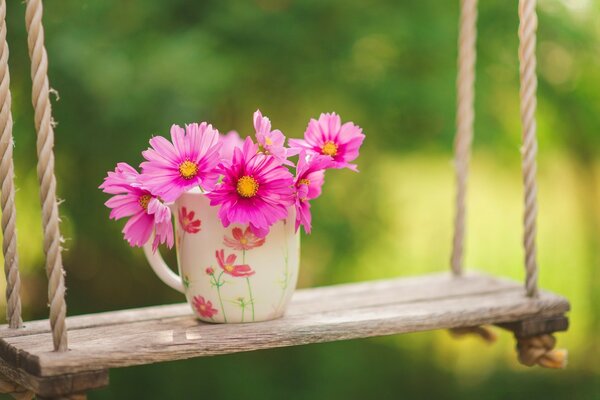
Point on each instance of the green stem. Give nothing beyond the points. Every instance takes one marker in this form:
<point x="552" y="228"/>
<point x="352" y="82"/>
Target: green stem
<point x="285" y="282"/>
<point x="248" y="282"/>
<point x="243" y="309"/>
<point x="251" y="297"/>
<point x="218" y="285"/>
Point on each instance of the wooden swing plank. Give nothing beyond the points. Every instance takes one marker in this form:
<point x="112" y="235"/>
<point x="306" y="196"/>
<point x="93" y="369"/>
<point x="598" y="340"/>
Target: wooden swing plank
<point x="166" y="333"/>
<point x="56" y="386"/>
<point x="409" y="288"/>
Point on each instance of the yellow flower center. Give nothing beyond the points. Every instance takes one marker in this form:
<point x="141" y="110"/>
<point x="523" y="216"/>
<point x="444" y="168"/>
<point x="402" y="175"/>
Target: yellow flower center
<point x="243" y="240"/>
<point x="228" y="268"/>
<point x="247" y="186"/>
<point x="268" y="141"/>
<point x="188" y="169"/>
<point x="304" y="182"/>
<point x="202" y="307"/>
<point x="329" y="149"/>
<point x="144" y="200"/>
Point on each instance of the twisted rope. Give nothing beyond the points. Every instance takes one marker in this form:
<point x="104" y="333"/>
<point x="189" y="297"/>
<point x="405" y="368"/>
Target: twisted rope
<point x="465" y="115"/>
<point x="45" y="170"/>
<point x="7" y="196"/>
<point x="485" y="333"/>
<point x="540" y="350"/>
<point x="527" y="61"/>
<point x="15" y="390"/>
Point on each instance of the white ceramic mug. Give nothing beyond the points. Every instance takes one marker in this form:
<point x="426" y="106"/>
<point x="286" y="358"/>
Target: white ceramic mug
<point x="228" y="275"/>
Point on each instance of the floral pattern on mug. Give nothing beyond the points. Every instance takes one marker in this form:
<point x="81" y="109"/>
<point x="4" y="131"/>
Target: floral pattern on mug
<point x="229" y="267"/>
<point x="243" y="240"/>
<point x="187" y="221"/>
<point x="204" y="307"/>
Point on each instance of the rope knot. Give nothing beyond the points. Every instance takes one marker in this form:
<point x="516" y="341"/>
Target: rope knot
<point x="540" y="350"/>
<point x="15" y="390"/>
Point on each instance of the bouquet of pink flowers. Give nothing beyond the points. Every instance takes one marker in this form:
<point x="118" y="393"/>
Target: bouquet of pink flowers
<point x="250" y="182"/>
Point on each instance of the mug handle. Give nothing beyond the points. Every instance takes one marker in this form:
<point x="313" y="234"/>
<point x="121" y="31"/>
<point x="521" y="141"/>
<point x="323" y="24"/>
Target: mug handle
<point x="162" y="269"/>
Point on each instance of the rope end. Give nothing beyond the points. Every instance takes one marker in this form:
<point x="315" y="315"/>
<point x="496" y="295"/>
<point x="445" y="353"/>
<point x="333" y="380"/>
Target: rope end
<point x="484" y="333"/>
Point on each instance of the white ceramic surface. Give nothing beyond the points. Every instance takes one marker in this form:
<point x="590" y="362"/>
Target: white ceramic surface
<point x="252" y="281"/>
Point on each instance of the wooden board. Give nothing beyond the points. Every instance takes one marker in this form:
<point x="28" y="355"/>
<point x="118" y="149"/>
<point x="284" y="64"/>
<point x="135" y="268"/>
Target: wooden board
<point x="166" y="333"/>
<point x="56" y="386"/>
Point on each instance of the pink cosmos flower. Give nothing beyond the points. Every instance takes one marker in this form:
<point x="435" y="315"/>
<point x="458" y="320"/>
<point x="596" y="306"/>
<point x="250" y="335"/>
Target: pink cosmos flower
<point x="243" y="240"/>
<point x="229" y="141"/>
<point x="272" y="142"/>
<point x="329" y="137"/>
<point x="256" y="190"/>
<point x="204" y="307"/>
<point x="310" y="175"/>
<point x="229" y="267"/>
<point x="187" y="221"/>
<point x="171" y="168"/>
<point x="123" y="176"/>
<point x="147" y="213"/>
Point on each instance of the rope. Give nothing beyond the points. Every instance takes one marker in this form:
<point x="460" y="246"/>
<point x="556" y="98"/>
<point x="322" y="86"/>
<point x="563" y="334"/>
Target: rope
<point x="485" y="333"/>
<point x="527" y="61"/>
<point x="540" y="350"/>
<point x="45" y="170"/>
<point x="13" y="389"/>
<point x="7" y="196"/>
<point x="465" y="115"/>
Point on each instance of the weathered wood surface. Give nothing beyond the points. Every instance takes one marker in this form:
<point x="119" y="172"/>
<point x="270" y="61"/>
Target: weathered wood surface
<point x="56" y="386"/>
<point x="339" y="312"/>
<point x="537" y="326"/>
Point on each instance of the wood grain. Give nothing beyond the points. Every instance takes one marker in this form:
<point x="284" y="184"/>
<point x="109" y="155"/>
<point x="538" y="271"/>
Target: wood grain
<point x="411" y="289"/>
<point x="537" y="326"/>
<point x="340" y="312"/>
<point x="56" y="386"/>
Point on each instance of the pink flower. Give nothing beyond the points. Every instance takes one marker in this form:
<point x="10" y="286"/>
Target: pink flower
<point x="187" y="221"/>
<point x="272" y="142"/>
<point x="310" y="175"/>
<point x="329" y="137"/>
<point x="229" y="267"/>
<point x="147" y="212"/>
<point x="243" y="240"/>
<point x="190" y="160"/>
<point x="123" y="177"/>
<point x="204" y="307"/>
<point x="229" y="142"/>
<point x="256" y="190"/>
<point x="210" y="271"/>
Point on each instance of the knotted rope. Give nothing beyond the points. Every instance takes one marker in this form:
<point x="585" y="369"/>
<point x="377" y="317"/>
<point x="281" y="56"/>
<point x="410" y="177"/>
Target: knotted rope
<point x="540" y="350"/>
<point x="7" y="196"/>
<point x="528" y="78"/>
<point x="45" y="170"/>
<point x="15" y="390"/>
<point x="465" y="115"/>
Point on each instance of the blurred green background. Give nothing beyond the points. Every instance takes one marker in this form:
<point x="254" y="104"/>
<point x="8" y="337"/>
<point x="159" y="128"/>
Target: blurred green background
<point x="128" y="69"/>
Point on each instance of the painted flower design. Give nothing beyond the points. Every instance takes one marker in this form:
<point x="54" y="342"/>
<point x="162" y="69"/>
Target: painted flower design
<point x="329" y="137"/>
<point x="146" y="212"/>
<point x="256" y="190"/>
<point x="189" y="160"/>
<point x="310" y="175"/>
<point x="204" y="307"/>
<point x="243" y="240"/>
<point x="272" y="142"/>
<point x="229" y="266"/>
<point x="187" y="221"/>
